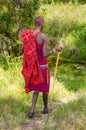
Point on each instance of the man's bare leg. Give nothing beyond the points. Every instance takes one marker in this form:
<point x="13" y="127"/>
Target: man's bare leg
<point x="34" y="100"/>
<point x="45" y="100"/>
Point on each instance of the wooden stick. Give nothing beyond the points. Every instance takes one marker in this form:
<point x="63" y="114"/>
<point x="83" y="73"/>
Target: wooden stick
<point x="52" y="89"/>
<point x="57" y="61"/>
<point x="51" y="96"/>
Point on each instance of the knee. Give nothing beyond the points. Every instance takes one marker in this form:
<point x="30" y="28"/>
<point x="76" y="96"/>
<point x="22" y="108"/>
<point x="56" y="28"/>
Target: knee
<point x="45" y="93"/>
<point x="36" y="93"/>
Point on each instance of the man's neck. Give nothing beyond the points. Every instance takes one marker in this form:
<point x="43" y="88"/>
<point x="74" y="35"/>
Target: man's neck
<point x="37" y="29"/>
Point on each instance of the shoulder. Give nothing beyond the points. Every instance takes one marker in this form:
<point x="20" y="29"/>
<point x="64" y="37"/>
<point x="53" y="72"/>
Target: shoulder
<point x="44" y="37"/>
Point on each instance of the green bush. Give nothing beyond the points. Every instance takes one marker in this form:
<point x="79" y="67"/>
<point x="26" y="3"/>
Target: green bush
<point x="13" y="20"/>
<point x="80" y="42"/>
<point x="69" y="20"/>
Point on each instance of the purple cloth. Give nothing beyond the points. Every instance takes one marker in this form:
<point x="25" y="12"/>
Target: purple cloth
<point x="43" y="87"/>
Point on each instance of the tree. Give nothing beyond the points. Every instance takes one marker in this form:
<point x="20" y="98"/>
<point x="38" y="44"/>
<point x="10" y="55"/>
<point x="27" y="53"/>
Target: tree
<point x="13" y="20"/>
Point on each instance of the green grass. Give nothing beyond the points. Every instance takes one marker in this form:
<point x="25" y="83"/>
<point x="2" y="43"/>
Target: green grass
<point x="69" y="104"/>
<point x="69" y="19"/>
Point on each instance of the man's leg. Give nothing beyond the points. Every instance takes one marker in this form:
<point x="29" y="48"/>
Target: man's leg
<point x="34" y="100"/>
<point x="45" y="100"/>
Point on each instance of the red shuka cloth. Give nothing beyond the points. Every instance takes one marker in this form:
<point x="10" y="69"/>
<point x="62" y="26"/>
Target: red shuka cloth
<point x="31" y="70"/>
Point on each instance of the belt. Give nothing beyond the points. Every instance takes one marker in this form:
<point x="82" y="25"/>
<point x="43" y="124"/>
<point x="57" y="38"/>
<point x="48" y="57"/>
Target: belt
<point x="47" y="71"/>
<point x="45" y="66"/>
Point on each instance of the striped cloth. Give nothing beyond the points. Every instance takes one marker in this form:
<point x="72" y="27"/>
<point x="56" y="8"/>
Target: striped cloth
<point x="31" y="70"/>
<point x="43" y="87"/>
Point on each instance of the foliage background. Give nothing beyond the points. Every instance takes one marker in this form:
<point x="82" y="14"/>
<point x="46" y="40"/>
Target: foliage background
<point x="12" y="21"/>
<point x="64" y="19"/>
<point x="69" y="96"/>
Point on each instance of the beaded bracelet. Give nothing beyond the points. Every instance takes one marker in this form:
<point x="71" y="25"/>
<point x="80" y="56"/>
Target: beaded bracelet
<point x="54" y="50"/>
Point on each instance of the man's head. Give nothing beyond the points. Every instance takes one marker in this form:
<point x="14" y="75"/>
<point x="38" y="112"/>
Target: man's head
<point x="39" y="22"/>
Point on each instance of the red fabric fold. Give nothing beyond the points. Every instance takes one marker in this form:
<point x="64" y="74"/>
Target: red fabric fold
<point x="31" y="70"/>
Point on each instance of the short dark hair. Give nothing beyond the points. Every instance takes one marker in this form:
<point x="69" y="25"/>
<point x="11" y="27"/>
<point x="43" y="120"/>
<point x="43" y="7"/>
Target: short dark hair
<point x="38" y="20"/>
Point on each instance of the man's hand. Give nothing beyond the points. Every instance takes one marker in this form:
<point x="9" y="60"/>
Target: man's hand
<point x="58" y="48"/>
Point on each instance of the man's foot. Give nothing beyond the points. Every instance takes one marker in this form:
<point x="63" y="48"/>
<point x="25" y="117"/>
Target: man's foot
<point x="46" y="111"/>
<point x="31" y="115"/>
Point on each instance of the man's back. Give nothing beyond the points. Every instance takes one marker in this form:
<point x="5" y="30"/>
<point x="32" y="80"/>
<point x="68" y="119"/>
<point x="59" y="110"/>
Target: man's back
<point x="39" y="46"/>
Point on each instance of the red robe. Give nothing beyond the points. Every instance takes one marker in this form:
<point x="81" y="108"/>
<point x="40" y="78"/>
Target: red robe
<point x="31" y="70"/>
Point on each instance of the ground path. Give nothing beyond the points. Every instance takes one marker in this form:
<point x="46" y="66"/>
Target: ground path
<point x="40" y="121"/>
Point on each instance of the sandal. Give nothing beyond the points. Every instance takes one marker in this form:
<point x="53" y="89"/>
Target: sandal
<point x="46" y="111"/>
<point x="31" y="115"/>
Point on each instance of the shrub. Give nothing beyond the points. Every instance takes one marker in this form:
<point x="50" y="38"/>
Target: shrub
<point x="13" y="20"/>
<point x="80" y="42"/>
<point x="68" y="19"/>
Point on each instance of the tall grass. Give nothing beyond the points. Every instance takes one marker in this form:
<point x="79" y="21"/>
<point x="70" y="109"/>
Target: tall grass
<point x="70" y="20"/>
<point x="68" y="105"/>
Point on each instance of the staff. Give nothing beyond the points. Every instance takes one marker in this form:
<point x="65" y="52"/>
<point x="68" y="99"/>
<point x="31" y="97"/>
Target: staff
<point x="57" y="61"/>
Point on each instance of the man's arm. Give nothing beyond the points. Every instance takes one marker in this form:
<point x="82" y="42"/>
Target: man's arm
<point x="45" y="47"/>
<point x="47" y="53"/>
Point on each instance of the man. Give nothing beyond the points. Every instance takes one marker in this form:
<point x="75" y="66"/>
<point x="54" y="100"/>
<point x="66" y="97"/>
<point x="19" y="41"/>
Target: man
<point x="43" y="83"/>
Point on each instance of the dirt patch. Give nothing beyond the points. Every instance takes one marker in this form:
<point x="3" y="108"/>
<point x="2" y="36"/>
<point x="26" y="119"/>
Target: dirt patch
<point x="37" y="123"/>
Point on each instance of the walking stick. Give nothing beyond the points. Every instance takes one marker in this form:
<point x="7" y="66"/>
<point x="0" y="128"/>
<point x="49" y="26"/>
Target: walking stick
<point x="55" y="72"/>
<point x="57" y="61"/>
